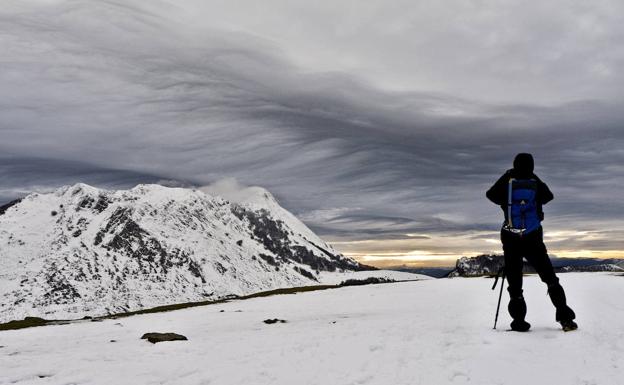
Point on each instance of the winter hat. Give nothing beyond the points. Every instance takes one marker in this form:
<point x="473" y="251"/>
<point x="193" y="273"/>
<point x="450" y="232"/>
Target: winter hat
<point x="523" y="164"/>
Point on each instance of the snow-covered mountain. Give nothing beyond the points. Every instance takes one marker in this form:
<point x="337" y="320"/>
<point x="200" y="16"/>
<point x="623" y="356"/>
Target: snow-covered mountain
<point x="490" y="265"/>
<point x="84" y="251"/>
<point x="477" y="266"/>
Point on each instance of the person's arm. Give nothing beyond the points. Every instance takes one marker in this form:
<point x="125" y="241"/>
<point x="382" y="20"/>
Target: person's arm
<point x="498" y="192"/>
<point x="544" y="194"/>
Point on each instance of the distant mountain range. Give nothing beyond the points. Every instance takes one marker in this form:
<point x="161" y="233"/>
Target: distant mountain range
<point x="85" y="251"/>
<point x="490" y="265"/>
<point x="435" y="272"/>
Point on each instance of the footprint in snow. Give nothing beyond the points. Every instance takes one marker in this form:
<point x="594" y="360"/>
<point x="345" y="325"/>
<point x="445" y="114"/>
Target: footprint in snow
<point x="459" y="377"/>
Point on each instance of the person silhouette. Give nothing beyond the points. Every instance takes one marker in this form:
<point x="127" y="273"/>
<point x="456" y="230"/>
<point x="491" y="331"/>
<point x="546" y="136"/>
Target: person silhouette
<point x="521" y="194"/>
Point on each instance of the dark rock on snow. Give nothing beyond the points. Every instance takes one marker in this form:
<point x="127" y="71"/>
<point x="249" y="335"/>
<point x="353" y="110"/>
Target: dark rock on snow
<point x="162" y="337"/>
<point x="274" y="320"/>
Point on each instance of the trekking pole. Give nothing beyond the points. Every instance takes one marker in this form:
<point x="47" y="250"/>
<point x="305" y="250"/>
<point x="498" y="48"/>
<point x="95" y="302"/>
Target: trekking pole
<point x="502" y="270"/>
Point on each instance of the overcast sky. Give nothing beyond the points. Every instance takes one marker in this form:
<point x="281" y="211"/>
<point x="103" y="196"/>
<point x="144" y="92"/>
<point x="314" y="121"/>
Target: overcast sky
<point x="380" y="124"/>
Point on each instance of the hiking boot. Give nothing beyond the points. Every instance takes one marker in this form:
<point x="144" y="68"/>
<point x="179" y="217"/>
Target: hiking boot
<point x="520" y="325"/>
<point x="568" y="325"/>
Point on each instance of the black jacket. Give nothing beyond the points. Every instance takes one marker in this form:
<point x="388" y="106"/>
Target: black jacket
<point x="498" y="192"/>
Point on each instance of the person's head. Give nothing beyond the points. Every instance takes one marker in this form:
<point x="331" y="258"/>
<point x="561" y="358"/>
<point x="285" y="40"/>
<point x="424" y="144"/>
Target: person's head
<point x="523" y="164"/>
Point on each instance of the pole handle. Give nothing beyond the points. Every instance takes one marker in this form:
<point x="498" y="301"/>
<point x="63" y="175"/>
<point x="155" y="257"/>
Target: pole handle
<point x="498" y="274"/>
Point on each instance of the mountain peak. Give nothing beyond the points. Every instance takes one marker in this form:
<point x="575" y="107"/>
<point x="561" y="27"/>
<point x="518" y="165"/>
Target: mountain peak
<point x="78" y="188"/>
<point x="234" y="192"/>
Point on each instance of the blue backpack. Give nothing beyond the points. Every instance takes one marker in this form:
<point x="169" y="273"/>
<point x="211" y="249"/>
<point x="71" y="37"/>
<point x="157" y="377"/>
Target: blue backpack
<point x="522" y="216"/>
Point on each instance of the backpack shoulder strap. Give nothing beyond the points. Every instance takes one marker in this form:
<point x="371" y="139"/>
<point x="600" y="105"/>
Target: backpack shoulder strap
<point x="510" y="201"/>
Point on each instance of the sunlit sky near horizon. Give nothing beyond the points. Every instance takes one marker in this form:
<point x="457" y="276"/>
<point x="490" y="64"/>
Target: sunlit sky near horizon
<point x="379" y="124"/>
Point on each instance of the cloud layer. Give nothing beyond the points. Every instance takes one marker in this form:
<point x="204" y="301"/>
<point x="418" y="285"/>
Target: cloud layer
<point x="116" y="93"/>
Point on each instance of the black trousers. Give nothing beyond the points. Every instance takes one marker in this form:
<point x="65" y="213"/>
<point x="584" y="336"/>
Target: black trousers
<point x="531" y="247"/>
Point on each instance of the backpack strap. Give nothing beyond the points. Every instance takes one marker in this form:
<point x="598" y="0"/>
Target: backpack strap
<point x="510" y="202"/>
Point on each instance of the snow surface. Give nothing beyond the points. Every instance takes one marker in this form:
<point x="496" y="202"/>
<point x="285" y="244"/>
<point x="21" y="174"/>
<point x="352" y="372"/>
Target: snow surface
<point x="424" y="332"/>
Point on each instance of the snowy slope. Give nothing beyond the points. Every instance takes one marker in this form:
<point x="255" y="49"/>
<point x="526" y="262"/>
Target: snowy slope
<point x="84" y="251"/>
<point x="425" y="332"/>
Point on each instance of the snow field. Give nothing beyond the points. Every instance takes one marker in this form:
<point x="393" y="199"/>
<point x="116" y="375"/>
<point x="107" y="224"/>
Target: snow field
<point x="423" y="332"/>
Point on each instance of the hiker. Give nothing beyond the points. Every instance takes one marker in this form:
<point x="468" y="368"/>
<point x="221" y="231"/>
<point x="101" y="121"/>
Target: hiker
<point x="521" y="194"/>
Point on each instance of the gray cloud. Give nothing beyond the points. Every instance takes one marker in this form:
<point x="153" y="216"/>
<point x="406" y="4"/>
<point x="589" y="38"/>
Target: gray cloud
<point x="119" y="93"/>
<point x="21" y="175"/>
<point x="488" y="50"/>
